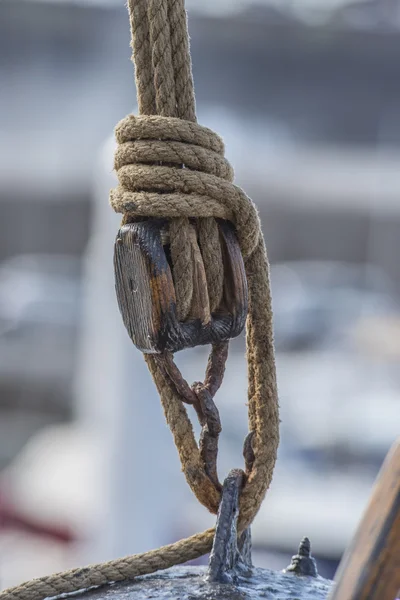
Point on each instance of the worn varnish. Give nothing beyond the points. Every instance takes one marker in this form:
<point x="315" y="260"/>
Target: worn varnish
<point x="370" y="569"/>
<point x="146" y="294"/>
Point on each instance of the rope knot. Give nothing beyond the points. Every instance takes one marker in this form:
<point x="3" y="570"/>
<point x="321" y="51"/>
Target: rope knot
<point x="171" y="168"/>
<point x="175" y="169"/>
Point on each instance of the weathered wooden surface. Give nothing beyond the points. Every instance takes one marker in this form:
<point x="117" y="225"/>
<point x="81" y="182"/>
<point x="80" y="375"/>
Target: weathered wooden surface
<point x="146" y="293"/>
<point x="370" y="569"/>
<point x="189" y="583"/>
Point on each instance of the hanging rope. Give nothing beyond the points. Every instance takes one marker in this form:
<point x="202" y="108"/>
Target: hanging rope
<point x="169" y="166"/>
<point x="165" y="87"/>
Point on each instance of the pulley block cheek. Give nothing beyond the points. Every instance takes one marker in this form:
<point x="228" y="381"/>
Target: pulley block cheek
<point x="146" y="294"/>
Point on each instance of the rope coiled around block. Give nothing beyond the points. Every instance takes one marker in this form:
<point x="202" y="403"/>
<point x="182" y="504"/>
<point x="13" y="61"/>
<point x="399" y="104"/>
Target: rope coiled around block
<point x="203" y="188"/>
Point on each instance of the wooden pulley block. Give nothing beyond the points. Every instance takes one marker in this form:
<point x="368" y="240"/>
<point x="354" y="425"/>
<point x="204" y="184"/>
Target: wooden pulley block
<point x="146" y="294"/>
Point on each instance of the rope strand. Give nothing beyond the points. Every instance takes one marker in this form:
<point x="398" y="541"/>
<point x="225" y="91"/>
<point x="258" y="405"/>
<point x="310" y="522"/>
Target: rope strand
<point x="164" y="84"/>
<point x="144" y="75"/>
<point x="121" y="569"/>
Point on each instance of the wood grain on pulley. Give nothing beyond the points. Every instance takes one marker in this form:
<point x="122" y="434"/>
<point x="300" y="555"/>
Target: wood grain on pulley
<point x="146" y="294"/>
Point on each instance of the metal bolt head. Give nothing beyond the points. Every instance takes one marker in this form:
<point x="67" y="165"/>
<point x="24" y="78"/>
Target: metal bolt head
<point x="303" y="563"/>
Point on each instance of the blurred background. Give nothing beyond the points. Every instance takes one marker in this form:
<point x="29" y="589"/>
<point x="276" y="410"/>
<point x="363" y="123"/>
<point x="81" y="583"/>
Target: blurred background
<point x="306" y="96"/>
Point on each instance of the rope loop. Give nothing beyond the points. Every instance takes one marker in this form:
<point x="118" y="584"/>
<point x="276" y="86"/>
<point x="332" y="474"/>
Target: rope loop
<point x="155" y="127"/>
<point x="174" y="168"/>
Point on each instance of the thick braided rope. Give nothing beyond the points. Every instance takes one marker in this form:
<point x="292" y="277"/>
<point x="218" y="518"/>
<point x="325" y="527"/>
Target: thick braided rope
<point x="203" y="189"/>
<point x="185" y="441"/>
<point x="165" y="87"/>
<point x="167" y="191"/>
<point x="263" y="420"/>
<point x="120" y="569"/>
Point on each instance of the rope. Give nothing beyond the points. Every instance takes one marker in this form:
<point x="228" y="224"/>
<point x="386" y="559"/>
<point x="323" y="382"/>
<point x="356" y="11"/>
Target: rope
<point x="120" y="569"/>
<point x="169" y="166"/>
<point x="165" y="87"/>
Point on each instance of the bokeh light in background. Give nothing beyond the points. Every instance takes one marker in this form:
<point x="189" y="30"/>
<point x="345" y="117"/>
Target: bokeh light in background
<point x="306" y="96"/>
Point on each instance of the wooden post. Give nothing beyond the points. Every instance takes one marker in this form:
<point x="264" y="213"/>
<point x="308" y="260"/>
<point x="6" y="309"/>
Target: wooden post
<point x="370" y="569"/>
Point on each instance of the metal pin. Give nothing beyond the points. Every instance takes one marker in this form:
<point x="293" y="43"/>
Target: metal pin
<point x="229" y="558"/>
